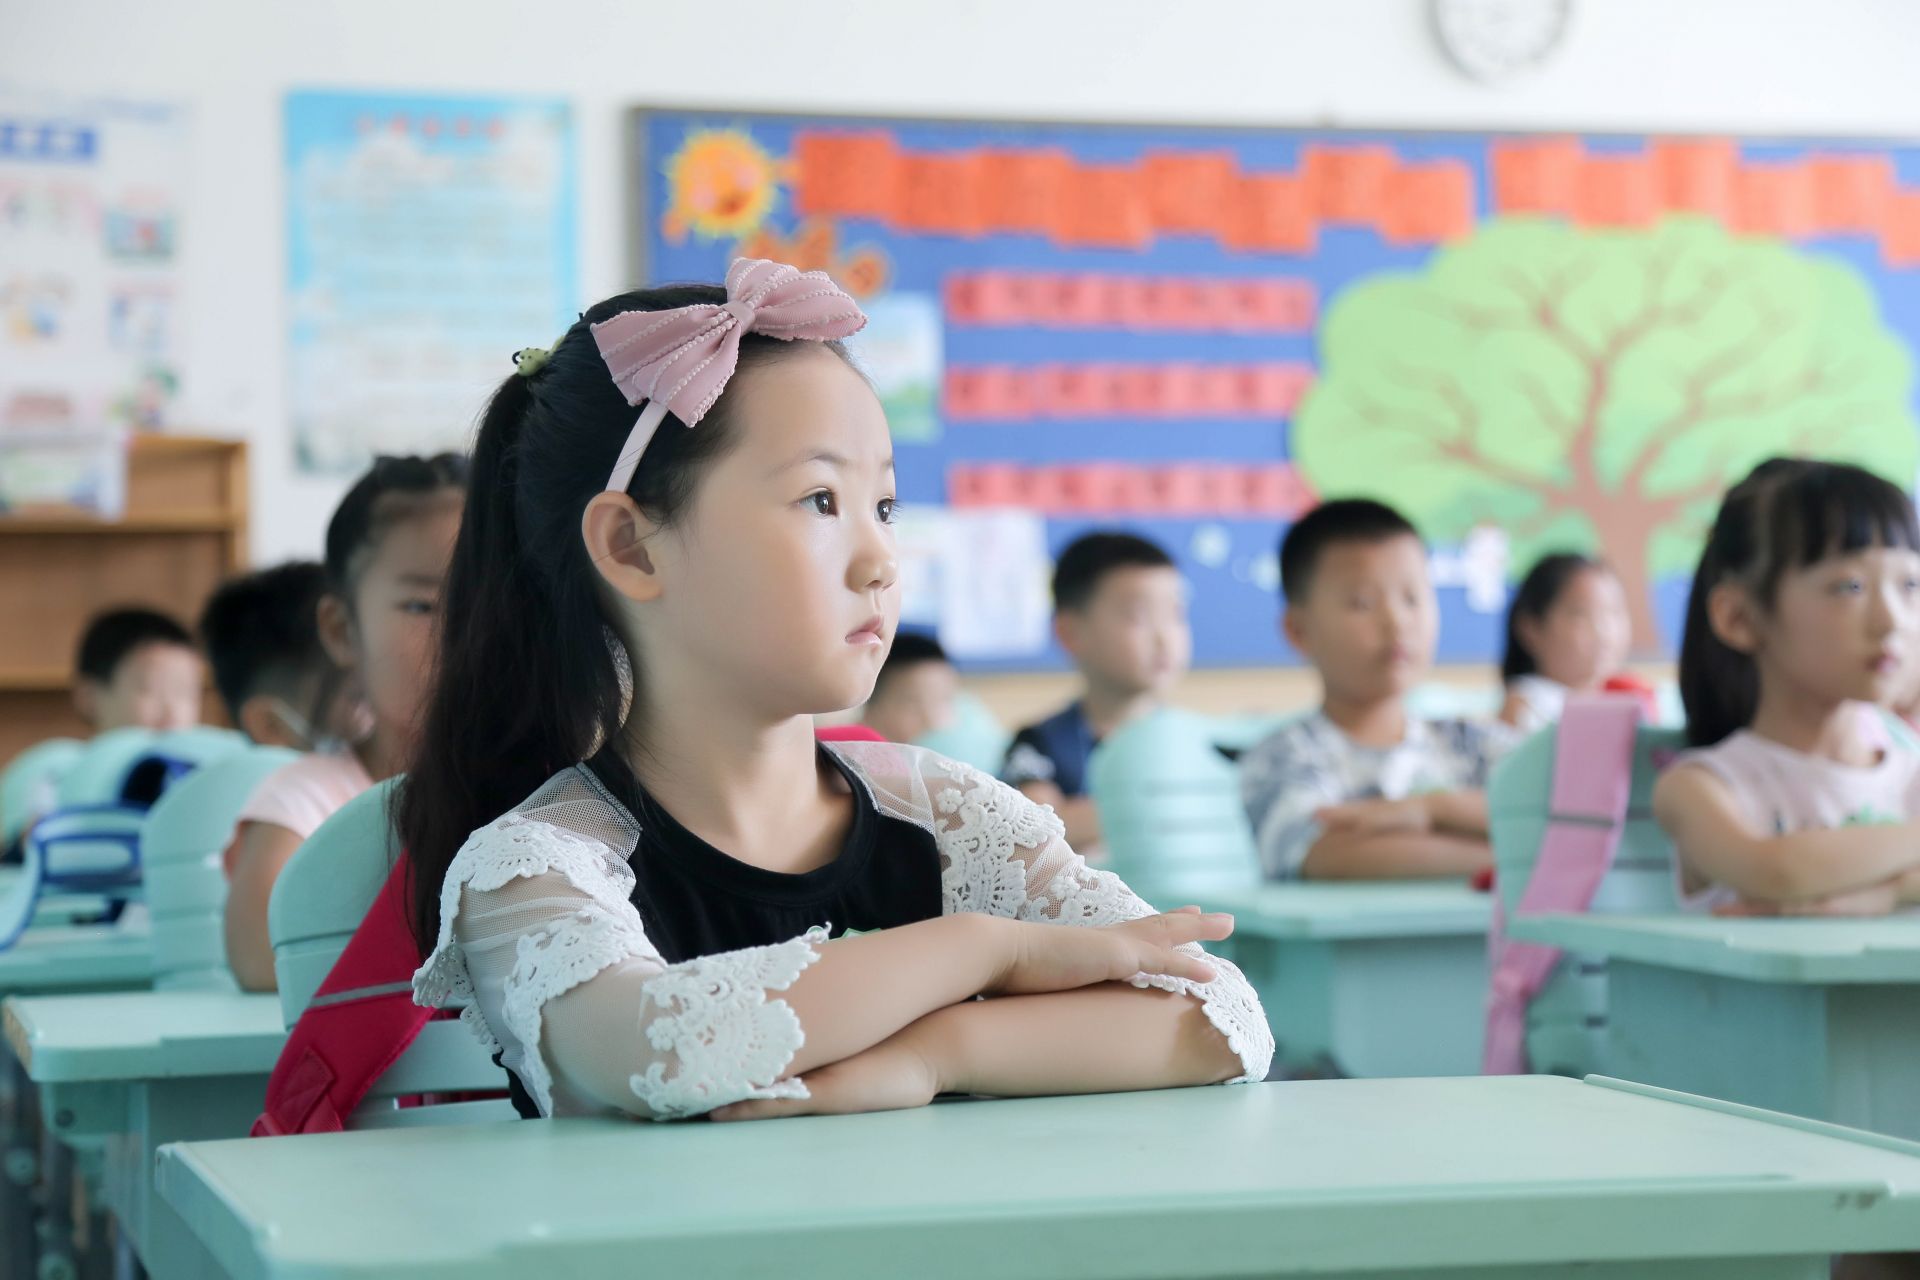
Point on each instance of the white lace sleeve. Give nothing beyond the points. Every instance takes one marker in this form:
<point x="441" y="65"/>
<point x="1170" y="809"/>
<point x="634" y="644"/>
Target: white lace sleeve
<point x="1007" y="856"/>
<point x="540" y="941"/>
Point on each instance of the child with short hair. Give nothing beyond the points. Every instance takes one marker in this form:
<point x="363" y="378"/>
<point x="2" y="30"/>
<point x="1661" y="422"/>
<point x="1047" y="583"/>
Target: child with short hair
<point x="915" y="691"/>
<point x="1805" y="612"/>
<point x="261" y="632"/>
<point x="1120" y="611"/>
<point x="386" y="558"/>
<point x="137" y="668"/>
<point x="1360" y="789"/>
<point x="654" y="892"/>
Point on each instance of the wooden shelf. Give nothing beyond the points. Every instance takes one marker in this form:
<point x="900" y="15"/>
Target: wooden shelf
<point x="35" y="679"/>
<point x="163" y="522"/>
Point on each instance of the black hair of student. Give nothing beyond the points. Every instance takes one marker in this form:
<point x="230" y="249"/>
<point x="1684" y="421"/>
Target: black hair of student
<point x="114" y="634"/>
<point x="261" y="633"/>
<point x="1789" y="513"/>
<point x="1089" y="558"/>
<point x="1538" y="592"/>
<point x="910" y="649"/>
<point x="393" y="490"/>
<point x="527" y="682"/>
<point x="1327" y="525"/>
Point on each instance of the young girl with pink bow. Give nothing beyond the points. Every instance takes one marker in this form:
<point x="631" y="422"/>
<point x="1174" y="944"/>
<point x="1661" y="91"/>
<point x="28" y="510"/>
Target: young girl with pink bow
<point x="652" y="889"/>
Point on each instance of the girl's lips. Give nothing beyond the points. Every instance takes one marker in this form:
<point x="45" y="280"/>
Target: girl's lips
<point x="868" y="632"/>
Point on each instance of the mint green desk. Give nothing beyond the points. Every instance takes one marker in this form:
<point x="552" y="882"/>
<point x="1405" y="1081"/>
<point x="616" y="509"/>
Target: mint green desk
<point x="1386" y="978"/>
<point x="1488" y="1179"/>
<point x="58" y="958"/>
<point x="139" y="1069"/>
<point x="1814" y="1017"/>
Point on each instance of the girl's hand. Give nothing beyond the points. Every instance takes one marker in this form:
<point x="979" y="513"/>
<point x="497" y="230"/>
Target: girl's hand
<point x="1377" y="817"/>
<point x="898" y="1073"/>
<point x="1880" y="900"/>
<point x="1054" y="957"/>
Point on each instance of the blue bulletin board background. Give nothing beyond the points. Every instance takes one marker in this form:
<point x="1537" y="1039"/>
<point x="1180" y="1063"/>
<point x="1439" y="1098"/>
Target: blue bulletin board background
<point x="1009" y="259"/>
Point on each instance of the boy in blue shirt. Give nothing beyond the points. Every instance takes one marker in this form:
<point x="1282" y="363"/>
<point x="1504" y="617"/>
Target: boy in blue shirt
<point x="1120" y="611"/>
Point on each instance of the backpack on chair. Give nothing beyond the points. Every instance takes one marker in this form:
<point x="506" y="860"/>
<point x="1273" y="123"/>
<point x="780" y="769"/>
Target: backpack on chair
<point x="1571" y="823"/>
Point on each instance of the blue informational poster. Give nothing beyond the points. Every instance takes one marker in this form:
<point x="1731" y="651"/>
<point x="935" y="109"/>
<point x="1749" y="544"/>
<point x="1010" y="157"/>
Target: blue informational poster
<point x="428" y="238"/>
<point x="1526" y="343"/>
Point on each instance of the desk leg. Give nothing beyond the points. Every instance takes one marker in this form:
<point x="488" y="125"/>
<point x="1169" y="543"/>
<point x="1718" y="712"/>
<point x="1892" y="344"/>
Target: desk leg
<point x="163" y="1111"/>
<point x="57" y="1258"/>
<point x="19" y="1167"/>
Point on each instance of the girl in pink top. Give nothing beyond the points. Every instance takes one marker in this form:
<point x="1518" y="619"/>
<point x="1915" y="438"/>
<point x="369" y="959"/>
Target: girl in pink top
<point x="1794" y="799"/>
<point x="388" y="545"/>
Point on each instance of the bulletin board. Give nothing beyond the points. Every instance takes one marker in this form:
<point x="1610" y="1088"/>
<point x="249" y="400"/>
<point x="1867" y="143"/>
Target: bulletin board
<point x="427" y="236"/>
<point x="1527" y="343"/>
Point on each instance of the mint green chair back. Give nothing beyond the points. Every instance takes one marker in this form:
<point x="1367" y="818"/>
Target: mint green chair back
<point x="182" y="844"/>
<point x="318" y="902"/>
<point x="101" y="771"/>
<point x="974" y="736"/>
<point x="1566" y="1023"/>
<point x="30" y="786"/>
<point x="1170" y="810"/>
<point x="1438" y="700"/>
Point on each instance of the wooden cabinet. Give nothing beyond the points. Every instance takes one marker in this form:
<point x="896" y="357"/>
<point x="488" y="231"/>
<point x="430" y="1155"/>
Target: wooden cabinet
<point x="185" y="529"/>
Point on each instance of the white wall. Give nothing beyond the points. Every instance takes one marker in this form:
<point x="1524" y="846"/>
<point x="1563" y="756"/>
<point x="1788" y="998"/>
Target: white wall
<point x="1835" y="66"/>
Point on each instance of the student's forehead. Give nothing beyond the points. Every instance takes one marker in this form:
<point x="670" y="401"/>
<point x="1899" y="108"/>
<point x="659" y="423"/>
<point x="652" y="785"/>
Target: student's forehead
<point x="805" y="401"/>
<point x="1139" y="581"/>
<point x="1399" y="556"/>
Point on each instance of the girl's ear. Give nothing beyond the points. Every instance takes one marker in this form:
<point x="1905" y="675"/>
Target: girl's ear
<point x="1731" y="614"/>
<point x="616" y="533"/>
<point x="336" y="630"/>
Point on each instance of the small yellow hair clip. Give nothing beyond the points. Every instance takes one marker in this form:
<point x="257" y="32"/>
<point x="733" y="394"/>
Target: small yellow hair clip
<point x="530" y="360"/>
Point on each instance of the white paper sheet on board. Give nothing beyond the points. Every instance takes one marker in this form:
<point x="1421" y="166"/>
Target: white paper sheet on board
<point x="978" y="578"/>
<point x="993" y="585"/>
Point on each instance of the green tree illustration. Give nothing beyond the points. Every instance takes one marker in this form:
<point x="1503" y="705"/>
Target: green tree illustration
<point x="1600" y="389"/>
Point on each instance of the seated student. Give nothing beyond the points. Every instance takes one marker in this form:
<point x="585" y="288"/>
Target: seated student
<point x="137" y="668"/>
<point x="628" y="848"/>
<point x="914" y="693"/>
<point x="1567" y="632"/>
<point x="261" y="633"/>
<point x="1805" y="611"/>
<point x="1360" y="789"/>
<point x="387" y="551"/>
<point x="1120" y="611"/>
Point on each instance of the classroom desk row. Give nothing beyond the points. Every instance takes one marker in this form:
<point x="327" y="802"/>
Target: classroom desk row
<point x="1364" y="1178"/>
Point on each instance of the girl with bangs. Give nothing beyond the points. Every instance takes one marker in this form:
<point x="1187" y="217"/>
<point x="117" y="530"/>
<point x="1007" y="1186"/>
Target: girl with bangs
<point x="1794" y="799"/>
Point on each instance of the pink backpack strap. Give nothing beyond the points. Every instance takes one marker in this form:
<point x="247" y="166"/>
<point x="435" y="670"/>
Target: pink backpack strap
<point x="1592" y="780"/>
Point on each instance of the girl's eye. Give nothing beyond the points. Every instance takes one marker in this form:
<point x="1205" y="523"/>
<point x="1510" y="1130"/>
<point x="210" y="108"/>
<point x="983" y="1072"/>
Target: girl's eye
<point x="888" y="509"/>
<point x="1848" y="587"/>
<point x="419" y="608"/>
<point x="823" y="502"/>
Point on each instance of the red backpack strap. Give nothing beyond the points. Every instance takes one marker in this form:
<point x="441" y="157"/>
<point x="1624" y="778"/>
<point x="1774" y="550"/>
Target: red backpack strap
<point x="848" y="733"/>
<point x="1592" y="781"/>
<point x="359" y="1022"/>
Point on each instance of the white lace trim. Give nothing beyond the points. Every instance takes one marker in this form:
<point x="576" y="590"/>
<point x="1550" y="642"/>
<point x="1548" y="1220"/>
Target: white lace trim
<point x="551" y="961"/>
<point x="508" y="847"/>
<point x="731" y="1040"/>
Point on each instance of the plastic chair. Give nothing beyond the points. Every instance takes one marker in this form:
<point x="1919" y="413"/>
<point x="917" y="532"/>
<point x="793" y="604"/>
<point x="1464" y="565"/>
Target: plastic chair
<point x="31" y="783"/>
<point x="1567" y="1020"/>
<point x="1170" y="809"/>
<point x="182" y="844"/>
<point x="974" y="736"/>
<point x="317" y="903"/>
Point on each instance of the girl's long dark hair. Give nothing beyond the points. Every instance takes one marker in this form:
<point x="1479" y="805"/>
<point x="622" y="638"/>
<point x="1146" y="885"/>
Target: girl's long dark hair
<point x="1789" y="513"/>
<point x="526" y="681"/>
<point x="1538" y="591"/>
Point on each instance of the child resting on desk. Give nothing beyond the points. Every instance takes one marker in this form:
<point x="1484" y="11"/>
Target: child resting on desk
<point x="658" y="893"/>
<point x="1360" y="789"/>
<point x="1795" y="799"/>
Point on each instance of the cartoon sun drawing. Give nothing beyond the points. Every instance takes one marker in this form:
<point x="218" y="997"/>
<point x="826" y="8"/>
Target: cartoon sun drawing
<point x="720" y="185"/>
